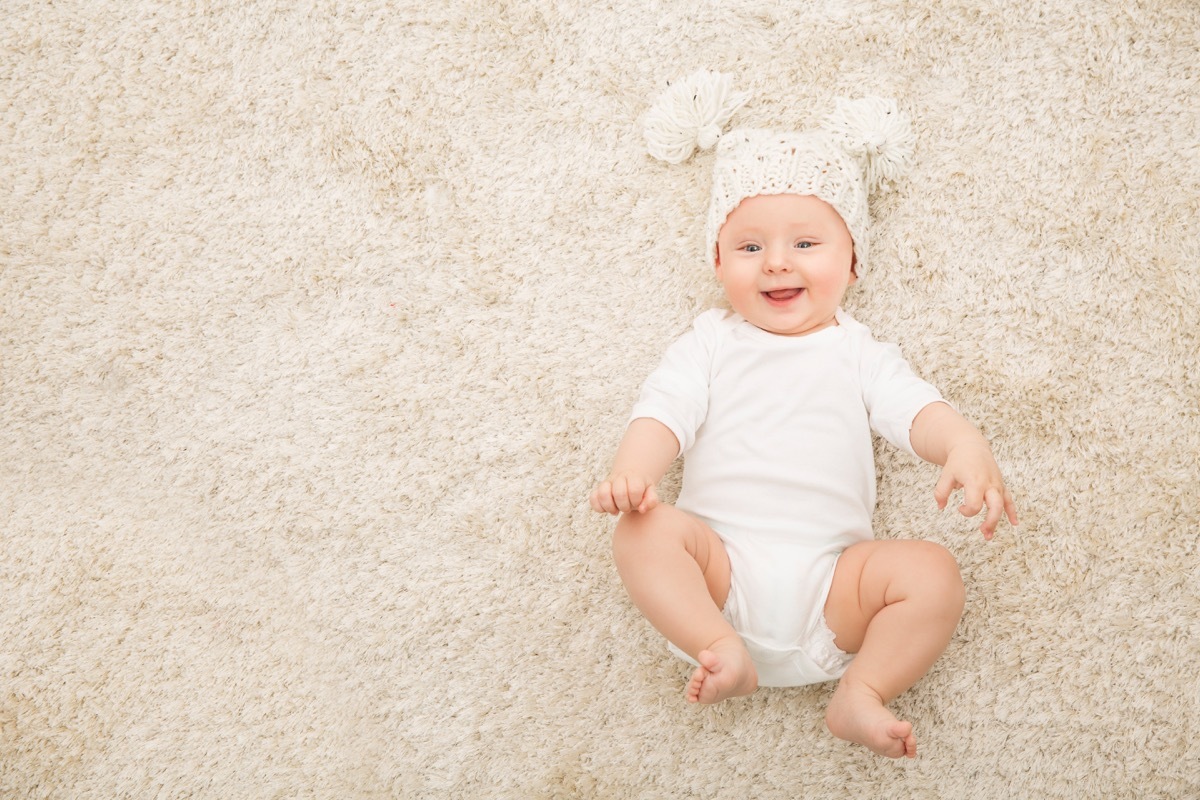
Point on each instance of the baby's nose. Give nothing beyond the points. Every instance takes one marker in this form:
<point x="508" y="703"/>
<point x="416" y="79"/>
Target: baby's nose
<point x="777" y="260"/>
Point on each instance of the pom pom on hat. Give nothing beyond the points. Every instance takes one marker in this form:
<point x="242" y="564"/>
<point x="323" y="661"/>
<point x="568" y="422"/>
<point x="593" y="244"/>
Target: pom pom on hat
<point x="692" y="113"/>
<point x="873" y="130"/>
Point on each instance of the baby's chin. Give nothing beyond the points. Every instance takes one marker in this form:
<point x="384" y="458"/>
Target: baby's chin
<point x="797" y="330"/>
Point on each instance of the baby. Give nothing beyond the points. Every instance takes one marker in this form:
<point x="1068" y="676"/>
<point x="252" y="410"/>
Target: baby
<point x="765" y="571"/>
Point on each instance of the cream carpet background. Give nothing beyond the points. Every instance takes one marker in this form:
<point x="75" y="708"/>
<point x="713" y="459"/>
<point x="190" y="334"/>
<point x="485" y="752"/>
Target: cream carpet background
<point x="319" y="320"/>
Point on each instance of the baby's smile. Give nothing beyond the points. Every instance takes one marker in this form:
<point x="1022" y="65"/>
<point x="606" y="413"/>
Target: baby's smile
<point x="781" y="296"/>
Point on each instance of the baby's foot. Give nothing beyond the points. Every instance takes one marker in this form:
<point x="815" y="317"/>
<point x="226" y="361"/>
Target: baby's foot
<point x="725" y="671"/>
<point x="856" y="714"/>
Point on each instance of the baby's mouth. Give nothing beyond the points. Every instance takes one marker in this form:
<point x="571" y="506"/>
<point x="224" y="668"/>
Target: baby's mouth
<point x="783" y="294"/>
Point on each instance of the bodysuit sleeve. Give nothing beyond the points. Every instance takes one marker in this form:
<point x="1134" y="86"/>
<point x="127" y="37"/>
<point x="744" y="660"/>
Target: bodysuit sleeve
<point x="892" y="392"/>
<point x="676" y="393"/>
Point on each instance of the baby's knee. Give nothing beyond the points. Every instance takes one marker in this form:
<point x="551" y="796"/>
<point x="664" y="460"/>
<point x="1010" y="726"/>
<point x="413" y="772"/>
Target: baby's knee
<point x="940" y="574"/>
<point x="635" y="528"/>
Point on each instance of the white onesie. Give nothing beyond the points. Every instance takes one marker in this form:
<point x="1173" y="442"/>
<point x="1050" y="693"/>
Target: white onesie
<point x="776" y="437"/>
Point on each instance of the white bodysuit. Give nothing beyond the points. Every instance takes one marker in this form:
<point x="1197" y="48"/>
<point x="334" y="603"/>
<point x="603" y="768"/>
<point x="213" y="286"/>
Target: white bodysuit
<point x="776" y="437"/>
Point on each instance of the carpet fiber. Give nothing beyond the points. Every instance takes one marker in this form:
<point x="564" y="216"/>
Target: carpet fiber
<point x="319" y="320"/>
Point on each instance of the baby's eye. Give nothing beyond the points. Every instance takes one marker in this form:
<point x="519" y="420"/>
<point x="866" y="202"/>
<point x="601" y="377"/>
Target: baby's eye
<point x="751" y="248"/>
<point x="803" y="245"/>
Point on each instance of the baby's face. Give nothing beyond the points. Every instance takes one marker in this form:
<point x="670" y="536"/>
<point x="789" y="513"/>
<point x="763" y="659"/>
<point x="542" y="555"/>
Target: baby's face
<point x="785" y="262"/>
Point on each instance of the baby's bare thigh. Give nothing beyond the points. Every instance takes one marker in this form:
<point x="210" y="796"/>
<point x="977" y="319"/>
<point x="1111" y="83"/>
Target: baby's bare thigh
<point x="870" y="575"/>
<point x="701" y="543"/>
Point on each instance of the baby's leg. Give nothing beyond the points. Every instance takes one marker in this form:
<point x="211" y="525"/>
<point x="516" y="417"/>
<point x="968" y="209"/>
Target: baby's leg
<point x="677" y="572"/>
<point x="895" y="603"/>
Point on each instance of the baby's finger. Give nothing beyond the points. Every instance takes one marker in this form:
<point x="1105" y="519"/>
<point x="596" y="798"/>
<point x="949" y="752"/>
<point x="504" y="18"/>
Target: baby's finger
<point x="634" y="489"/>
<point x="1010" y="508"/>
<point x="637" y="493"/>
<point x="604" y="499"/>
<point x="649" y="500"/>
<point x="995" y="507"/>
<point x="972" y="502"/>
<point x="620" y="492"/>
<point x="945" y="485"/>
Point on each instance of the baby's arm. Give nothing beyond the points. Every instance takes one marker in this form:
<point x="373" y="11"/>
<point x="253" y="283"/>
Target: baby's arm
<point x="647" y="450"/>
<point x="941" y="436"/>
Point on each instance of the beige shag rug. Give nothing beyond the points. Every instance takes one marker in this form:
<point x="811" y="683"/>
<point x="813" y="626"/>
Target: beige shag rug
<point x="318" y="321"/>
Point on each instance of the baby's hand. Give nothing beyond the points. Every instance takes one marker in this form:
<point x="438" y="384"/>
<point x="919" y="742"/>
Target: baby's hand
<point x="971" y="467"/>
<point x="623" y="493"/>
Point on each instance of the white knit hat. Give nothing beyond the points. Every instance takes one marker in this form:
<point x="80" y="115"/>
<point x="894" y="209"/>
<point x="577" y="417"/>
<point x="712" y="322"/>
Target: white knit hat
<point x="858" y="147"/>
